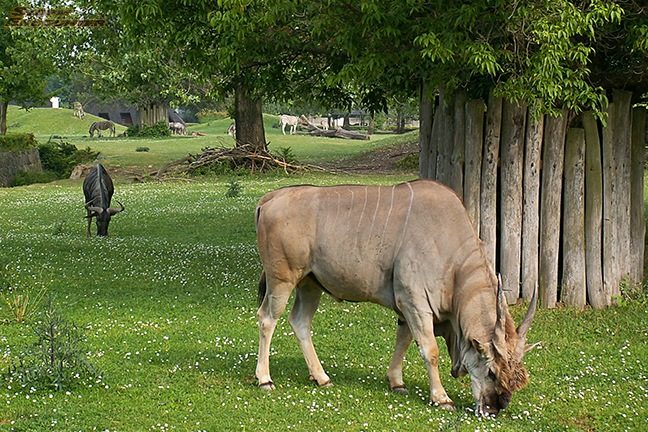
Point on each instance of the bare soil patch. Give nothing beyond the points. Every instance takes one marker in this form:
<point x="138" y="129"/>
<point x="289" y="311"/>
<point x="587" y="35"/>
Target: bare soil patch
<point x="396" y="159"/>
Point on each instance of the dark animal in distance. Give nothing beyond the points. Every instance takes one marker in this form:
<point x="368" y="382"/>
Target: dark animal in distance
<point x="98" y="190"/>
<point x="99" y="126"/>
<point x="409" y="247"/>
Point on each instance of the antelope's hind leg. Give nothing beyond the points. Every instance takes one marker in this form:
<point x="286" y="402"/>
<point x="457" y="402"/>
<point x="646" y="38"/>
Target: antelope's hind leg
<point x="307" y="300"/>
<point x="273" y="305"/>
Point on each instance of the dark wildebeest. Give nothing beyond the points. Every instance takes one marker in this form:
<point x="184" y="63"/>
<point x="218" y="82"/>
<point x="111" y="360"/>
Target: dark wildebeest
<point x="99" y="126"/>
<point x="408" y="247"/>
<point x="98" y="190"/>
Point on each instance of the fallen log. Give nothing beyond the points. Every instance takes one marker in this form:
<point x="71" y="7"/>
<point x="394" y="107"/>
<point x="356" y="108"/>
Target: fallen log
<point x="313" y="130"/>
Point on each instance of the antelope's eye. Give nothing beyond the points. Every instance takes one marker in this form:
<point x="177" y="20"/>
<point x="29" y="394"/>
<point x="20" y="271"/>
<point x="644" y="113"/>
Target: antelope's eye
<point x="491" y="374"/>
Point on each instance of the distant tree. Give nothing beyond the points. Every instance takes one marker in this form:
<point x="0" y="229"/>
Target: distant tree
<point x="23" y="63"/>
<point x="34" y="43"/>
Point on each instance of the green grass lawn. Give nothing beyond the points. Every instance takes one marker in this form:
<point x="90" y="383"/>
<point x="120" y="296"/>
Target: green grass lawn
<point x="167" y="305"/>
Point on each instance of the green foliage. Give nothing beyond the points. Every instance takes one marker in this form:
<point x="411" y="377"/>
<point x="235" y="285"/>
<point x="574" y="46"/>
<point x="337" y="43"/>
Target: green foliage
<point x="410" y="161"/>
<point x="234" y="189"/>
<point x="205" y="116"/>
<point x="61" y="157"/>
<point x="17" y="141"/>
<point x="23" y="178"/>
<point x="287" y="155"/>
<point x="142" y="149"/>
<point x="57" y="359"/>
<point x="158" y="130"/>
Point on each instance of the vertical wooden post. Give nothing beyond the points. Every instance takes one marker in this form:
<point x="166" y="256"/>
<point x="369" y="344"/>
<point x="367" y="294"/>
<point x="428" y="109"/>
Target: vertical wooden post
<point x="573" y="228"/>
<point x="623" y="145"/>
<point x="616" y="193"/>
<point x="552" y="171"/>
<point x="458" y="153"/>
<point x="593" y="214"/>
<point x="637" y="216"/>
<point x="425" y="130"/>
<point x="512" y="151"/>
<point x="446" y="135"/>
<point x="488" y="226"/>
<point x="531" y="203"/>
<point x="473" y="165"/>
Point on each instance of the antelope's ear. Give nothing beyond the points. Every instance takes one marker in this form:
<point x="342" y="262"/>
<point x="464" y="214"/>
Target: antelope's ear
<point x="485" y="350"/>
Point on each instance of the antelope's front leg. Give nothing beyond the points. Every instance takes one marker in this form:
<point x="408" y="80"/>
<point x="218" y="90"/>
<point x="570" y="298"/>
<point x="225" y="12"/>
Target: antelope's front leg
<point x="420" y="324"/>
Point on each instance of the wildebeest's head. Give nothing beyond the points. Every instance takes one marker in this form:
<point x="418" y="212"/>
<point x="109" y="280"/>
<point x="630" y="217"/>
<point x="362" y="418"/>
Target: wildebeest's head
<point x="496" y="369"/>
<point x="102" y="217"/>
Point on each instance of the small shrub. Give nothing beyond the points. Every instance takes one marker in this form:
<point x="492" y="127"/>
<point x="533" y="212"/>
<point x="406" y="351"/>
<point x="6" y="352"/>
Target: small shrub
<point x="410" y="161"/>
<point x="234" y="189"/>
<point x="159" y="129"/>
<point x="57" y="359"/>
<point x="13" y="142"/>
<point x="205" y="116"/>
<point x="20" y="296"/>
<point x="23" y="178"/>
<point x="142" y="149"/>
<point x="287" y="155"/>
<point x="61" y="157"/>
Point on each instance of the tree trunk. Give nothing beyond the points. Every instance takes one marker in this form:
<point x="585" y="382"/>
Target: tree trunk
<point x="346" y="123"/>
<point x="152" y="113"/>
<point x="531" y="204"/>
<point x="473" y="164"/>
<point x="249" y="119"/>
<point x="3" y="117"/>
<point x="488" y="228"/>
<point x="512" y="149"/>
<point x="593" y="213"/>
<point x="551" y="193"/>
<point x="426" y="112"/>
<point x="637" y="217"/>
<point x="573" y="239"/>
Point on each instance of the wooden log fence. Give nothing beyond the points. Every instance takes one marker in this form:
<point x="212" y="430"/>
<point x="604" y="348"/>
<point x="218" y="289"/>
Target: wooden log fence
<point x="557" y="201"/>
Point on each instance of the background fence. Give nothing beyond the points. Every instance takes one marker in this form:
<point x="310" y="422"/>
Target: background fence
<point x="557" y="201"/>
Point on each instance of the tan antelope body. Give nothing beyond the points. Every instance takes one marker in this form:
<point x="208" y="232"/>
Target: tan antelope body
<point x="408" y="247"/>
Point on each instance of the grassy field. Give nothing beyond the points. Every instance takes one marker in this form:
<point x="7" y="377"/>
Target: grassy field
<point x="167" y="305"/>
<point x="122" y="152"/>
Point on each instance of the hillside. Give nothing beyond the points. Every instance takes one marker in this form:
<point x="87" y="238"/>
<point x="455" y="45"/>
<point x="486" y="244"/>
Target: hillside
<point x="45" y="122"/>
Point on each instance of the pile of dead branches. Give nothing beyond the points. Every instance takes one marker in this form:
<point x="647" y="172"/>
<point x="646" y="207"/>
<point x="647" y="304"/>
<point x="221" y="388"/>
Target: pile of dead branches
<point x="246" y="157"/>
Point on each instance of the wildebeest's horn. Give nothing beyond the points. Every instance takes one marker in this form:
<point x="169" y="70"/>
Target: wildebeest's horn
<point x="523" y="328"/>
<point x="113" y="211"/>
<point x="92" y="208"/>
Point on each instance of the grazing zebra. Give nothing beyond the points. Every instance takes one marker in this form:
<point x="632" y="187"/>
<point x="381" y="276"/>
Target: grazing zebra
<point x="291" y="121"/>
<point x="78" y="110"/>
<point x="99" y="126"/>
<point x="231" y="130"/>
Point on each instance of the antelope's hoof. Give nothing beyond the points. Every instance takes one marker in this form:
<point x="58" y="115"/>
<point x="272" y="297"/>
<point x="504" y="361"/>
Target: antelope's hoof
<point x="400" y="389"/>
<point x="326" y="383"/>
<point x="267" y="386"/>
<point x="447" y="406"/>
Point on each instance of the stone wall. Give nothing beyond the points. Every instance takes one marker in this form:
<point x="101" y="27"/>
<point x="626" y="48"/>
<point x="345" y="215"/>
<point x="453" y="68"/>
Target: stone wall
<point x="14" y="162"/>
